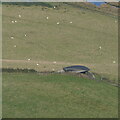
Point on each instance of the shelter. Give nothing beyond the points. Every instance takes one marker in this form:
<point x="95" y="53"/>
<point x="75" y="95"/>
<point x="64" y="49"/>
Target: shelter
<point x="76" y="69"/>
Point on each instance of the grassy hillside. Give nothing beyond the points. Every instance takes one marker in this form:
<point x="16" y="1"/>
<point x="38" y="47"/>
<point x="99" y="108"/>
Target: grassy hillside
<point x="110" y="8"/>
<point x="45" y="38"/>
<point x="57" y="96"/>
<point x="67" y="43"/>
<point x="106" y="9"/>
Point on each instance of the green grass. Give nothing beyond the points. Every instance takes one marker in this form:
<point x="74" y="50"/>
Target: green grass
<point x="76" y="43"/>
<point x="57" y="96"/>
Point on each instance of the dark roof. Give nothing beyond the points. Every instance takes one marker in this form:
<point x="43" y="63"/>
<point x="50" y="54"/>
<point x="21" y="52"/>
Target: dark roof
<point x="76" y="68"/>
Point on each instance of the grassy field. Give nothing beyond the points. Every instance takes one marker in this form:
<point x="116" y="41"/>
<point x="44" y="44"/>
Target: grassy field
<point x="57" y="96"/>
<point x="67" y="43"/>
<point x="75" y="40"/>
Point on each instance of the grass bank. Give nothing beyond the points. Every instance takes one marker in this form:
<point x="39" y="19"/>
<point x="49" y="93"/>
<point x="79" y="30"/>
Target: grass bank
<point x="28" y="95"/>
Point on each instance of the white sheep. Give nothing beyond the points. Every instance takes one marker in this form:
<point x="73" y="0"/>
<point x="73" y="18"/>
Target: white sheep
<point x="114" y="61"/>
<point x="58" y="23"/>
<point x="100" y="47"/>
<point x="12" y="37"/>
<point x="12" y="21"/>
<point x="54" y="62"/>
<point x="19" y="16"/>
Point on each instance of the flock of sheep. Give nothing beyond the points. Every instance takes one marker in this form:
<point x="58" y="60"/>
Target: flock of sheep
<point x="54" y="62"/>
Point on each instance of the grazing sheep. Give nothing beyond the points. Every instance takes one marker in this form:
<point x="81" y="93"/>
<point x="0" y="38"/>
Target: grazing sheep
<point x="58" y="23"/>
<point x="19" y="16"/>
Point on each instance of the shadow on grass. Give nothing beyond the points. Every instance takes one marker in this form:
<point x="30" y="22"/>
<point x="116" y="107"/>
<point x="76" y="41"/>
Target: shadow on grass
<point x="97" y="76"/>
<point x="11" y="70"/>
